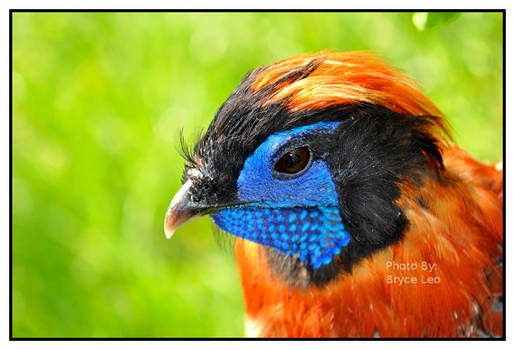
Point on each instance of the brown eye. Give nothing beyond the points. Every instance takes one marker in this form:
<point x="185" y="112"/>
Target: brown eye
<point x="293" y="161"/>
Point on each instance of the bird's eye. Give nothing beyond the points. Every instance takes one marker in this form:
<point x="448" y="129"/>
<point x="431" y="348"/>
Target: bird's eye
<point x="294" y="161"/>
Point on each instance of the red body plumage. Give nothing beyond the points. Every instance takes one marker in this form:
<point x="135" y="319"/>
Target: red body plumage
<point x="457" y="229"/>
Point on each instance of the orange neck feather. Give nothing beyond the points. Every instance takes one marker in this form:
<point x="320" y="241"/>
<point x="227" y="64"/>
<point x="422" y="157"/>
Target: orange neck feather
<point x="459" y="234"/>
<point x="456" y="227"/>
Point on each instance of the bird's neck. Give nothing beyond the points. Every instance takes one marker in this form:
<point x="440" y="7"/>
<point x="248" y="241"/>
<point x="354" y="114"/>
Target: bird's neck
<point x="439" y="280"/>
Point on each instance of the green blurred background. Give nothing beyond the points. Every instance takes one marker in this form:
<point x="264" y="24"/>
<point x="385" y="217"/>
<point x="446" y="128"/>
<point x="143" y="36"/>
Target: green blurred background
<point x="98" y="102"/>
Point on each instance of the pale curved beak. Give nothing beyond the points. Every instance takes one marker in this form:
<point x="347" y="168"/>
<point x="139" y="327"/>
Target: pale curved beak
<point x="181" y="210"/>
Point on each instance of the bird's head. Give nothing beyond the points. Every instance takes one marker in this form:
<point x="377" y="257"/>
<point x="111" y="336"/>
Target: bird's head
<point x="308" y="157"/>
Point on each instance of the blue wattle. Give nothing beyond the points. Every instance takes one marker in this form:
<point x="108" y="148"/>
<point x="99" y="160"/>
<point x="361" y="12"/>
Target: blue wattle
<point x="314" y="234"/>
<point x="295" y="215"/>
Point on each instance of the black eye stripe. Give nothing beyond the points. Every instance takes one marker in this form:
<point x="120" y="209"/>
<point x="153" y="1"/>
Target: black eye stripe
<point x="293" y="161"/>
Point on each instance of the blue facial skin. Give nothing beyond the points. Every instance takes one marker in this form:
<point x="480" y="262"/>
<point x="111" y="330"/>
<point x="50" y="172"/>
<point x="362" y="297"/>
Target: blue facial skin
<point x="296" y="215"/>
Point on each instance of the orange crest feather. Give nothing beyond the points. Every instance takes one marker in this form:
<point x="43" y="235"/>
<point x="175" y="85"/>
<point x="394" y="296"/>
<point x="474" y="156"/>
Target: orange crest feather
<point x="346" y="78"/>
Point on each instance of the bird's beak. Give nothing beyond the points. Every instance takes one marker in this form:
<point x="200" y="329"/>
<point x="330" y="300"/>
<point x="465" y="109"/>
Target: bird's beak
<point x="182" y="210"/>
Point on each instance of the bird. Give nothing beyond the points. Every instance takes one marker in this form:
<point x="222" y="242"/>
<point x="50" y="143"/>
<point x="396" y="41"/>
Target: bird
<point x="353" y="212"/>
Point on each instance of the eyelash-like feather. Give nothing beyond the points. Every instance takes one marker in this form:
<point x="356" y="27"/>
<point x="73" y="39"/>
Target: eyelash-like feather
<point x="187" y="152"/>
